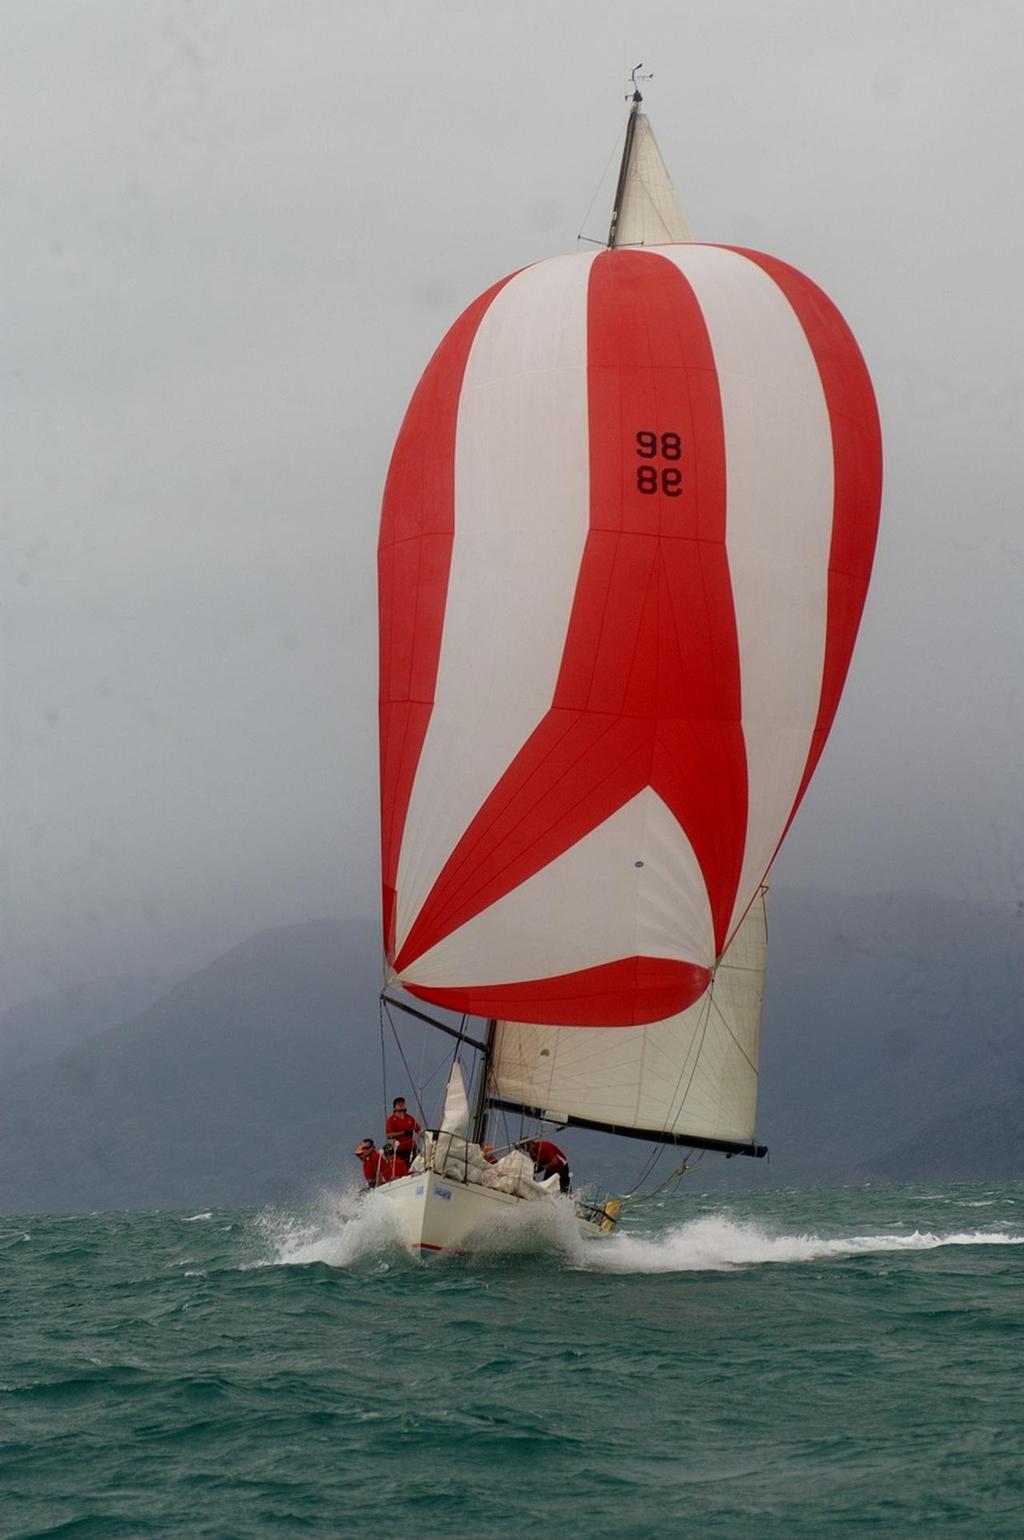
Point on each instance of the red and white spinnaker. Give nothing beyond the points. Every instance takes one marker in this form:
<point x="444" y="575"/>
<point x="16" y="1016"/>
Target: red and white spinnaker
<point x="625" y="544"/>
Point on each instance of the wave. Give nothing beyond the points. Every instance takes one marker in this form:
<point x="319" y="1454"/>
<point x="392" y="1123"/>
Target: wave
<point x="715" y="1242"/>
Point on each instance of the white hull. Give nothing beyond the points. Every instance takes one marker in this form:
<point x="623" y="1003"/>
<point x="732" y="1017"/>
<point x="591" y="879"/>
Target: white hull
<point x="436" y="1213"/>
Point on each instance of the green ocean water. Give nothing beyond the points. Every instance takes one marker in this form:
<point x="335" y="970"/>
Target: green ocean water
<point x="798" y="1363"/>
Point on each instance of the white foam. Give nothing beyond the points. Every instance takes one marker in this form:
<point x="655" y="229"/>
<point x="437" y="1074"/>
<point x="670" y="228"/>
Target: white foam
<point x="339" y="1229"/>
<point x="716" y="1242"/>
<point x="190" y="1219"/>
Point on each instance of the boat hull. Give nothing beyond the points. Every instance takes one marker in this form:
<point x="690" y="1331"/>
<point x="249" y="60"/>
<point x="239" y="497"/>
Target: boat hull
<point x="437" y="1214"/>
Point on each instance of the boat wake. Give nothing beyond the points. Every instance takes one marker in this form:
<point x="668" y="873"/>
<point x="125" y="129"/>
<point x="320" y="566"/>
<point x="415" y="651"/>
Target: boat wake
<point x="342" y="1230"/>
<point x="716" y="1242"/>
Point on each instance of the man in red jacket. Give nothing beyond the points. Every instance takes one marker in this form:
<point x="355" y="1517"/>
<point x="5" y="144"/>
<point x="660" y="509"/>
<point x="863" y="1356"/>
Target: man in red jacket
<point x="402" y="1127"/>
<point x="380" y="1166"/>
<point x="370" y="1156"/>
<point x="548" y="1160"/>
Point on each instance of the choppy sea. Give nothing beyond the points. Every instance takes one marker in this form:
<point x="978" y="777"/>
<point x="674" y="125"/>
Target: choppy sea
<point x="796" y="1364"/>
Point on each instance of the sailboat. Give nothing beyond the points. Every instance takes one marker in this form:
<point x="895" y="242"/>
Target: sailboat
<point x="626" y="537"/>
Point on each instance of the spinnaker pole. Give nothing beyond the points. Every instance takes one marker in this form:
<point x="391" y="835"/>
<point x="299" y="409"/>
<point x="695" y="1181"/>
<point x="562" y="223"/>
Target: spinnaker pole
<point x="441" y="1026"/>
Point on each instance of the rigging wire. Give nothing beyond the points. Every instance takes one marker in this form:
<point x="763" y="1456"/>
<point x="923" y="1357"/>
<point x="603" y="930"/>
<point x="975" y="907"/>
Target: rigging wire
<point x="699" y="1036"/>
<point x="433" y="1075"/>
<point x="423" y="1063"/>
<point x="675" y="1101"/>
<point x="597" y="189"/>
<point x="685" y="1166"/>
<point x="383" y="1061"/>
<point x="648" y="1168"/>
<point x="421" y="1083"/>
<point x="386" y="1010"/>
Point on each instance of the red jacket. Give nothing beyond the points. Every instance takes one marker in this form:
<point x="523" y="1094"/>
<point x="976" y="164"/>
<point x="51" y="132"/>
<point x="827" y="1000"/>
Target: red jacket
<point x="546" y="1156"/>
<point x="402" y="1127"/>
<point x="379" y="1168"/>
<point x="390" y="1169"/>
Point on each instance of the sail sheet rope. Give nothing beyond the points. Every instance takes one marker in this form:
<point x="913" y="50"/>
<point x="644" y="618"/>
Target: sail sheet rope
<point x="677" y="1102"/>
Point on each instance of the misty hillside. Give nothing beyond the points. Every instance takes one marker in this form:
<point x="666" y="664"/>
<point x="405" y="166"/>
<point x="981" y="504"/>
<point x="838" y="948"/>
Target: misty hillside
<point x="41" y="1029"/>
<point x="892" y="1031"/>
<point x="884" y="1014"/>
<point x="230" y="1089"/>
<point x="981" y="1144"/>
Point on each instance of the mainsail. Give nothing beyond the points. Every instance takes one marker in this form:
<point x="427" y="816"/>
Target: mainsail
<point x="689" y="1080"/>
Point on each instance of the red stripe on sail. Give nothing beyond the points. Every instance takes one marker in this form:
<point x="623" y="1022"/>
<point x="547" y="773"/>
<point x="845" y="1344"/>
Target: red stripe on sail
<point x="857" y="462"/>
<point x="627" y="993"/>
<point x="649" y="690"/>
<point x="413" y="562"/>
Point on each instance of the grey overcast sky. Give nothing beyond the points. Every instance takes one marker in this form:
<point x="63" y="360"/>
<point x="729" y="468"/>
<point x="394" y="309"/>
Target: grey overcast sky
<point x="233" y="232"/>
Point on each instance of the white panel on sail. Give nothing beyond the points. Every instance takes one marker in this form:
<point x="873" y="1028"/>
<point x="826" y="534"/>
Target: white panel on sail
<point x="694" y="1075"/>
<point x="779" y="506"/>
<point x="633" y="885"/>
<point x="649" y="214"/>
<point x="522" y="513"/>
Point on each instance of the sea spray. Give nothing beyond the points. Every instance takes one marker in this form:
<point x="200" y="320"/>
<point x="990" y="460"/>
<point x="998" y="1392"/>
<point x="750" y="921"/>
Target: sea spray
<point x="340" y="1229"/>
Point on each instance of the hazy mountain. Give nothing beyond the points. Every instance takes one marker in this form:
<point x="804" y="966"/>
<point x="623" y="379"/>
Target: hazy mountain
<point x="229" y="1088"/>
<point x="884" y="1014"/>
<point x="890" y="1022"/>
<point x="981" y="1144"/>
<point x="43" y="1028"/>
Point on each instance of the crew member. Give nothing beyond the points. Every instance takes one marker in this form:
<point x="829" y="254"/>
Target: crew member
<point x="402" y="1127"/>
<point x="548" y="1160"/>
<point x="370" y="1156"/>
<point x="392" y="1166"/>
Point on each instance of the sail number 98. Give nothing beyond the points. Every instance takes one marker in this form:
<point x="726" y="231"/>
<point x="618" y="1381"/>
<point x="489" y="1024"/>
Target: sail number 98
<point x="667" y="479"/>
